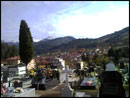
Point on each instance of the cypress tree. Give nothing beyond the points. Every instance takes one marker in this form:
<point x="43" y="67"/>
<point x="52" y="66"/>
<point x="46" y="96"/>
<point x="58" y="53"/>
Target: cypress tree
<point x="25" y="43"/>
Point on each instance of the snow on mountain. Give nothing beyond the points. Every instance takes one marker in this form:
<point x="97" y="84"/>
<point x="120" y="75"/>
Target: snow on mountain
<point x="51" y="37"/>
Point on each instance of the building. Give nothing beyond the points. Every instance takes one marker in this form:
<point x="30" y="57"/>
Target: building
<point x="13" y="60"/>
<point x="55" y="63"/>
<point x="62" y="63"/>
<point x="19" y="69"/>
<point x="3" y="62"/>
<point x="16" y="60"/>
<point x="31" y="64"/>
<point x="42" y="63"/>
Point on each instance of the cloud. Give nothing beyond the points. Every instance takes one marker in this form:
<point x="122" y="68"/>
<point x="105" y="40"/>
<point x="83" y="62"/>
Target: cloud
<point x="94" y="25"/>
<point x="63" y="18"/>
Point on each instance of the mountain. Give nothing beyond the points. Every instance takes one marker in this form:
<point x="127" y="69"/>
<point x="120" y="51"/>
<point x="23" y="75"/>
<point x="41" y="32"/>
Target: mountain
<point x="12" y="43"/>
<point x="46" y="45"/>
<point x="48" y="38"/>
<point x="116" y="39"/>
<point x="50" y="44"/>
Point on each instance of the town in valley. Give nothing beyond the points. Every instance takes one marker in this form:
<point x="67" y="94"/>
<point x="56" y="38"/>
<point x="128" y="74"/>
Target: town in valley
<point x="53" y="53"/>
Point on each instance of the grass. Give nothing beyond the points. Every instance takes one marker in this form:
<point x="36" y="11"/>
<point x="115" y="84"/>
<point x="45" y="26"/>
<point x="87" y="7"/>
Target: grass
<point x="126" y="87"/>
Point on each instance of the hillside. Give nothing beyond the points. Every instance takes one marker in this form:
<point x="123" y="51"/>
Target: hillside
<point x="116" y="39"/>
<point x="46" y="46"/>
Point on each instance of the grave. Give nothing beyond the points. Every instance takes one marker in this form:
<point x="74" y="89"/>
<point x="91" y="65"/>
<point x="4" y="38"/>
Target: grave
<point x="111" y="83"/>
<point x="89" y="82"/>
<point x="28" y="92"/>
<point x="67" y="91"/>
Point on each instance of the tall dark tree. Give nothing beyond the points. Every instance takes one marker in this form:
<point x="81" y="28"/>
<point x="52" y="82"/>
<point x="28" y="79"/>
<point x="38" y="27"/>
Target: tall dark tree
<point x="111" y="52"/>
<point x="25" y="43"/>
<point x="117" y="56"/>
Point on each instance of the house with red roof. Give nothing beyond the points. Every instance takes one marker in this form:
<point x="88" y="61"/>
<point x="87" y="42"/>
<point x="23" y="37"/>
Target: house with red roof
<point x="13" y="60"/>
<point x="42" y="63"/>
<point x="3" y="62"/>
<point x="16" y="60"/>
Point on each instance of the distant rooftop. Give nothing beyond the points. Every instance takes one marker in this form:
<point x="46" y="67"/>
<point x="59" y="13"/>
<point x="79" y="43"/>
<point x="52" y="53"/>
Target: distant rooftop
<point x="14" y="58"/>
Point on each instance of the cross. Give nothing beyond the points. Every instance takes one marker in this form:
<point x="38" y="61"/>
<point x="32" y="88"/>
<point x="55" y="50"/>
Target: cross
<point x="66" y="70"/>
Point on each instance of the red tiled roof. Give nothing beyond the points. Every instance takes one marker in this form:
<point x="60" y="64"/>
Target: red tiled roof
<point x="14" y="58"/>
<point x="42" y="61"/>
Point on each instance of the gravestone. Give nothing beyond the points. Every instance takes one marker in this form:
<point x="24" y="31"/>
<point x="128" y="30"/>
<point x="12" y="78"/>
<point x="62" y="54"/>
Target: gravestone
<point x="5" y="73"/>
<point x="110" y="67"/>
<point x="67" y="91"/>
<point x="111" y="82"/>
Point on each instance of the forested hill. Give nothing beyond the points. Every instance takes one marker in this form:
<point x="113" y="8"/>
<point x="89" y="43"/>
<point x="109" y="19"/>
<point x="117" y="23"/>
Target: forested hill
<point x="116" y="39"/>
<point x="46" y="46"/>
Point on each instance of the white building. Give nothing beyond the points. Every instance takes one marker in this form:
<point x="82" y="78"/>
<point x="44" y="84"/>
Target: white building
<point x="62" y="63"/>
<point x="20" y="70"/>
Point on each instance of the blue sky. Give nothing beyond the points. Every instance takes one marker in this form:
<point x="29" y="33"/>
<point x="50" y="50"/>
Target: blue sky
<point x="80" y="19"/>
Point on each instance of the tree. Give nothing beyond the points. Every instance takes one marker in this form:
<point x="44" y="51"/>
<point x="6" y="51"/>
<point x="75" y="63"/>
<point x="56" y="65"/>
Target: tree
<point x="117" y="56"/>
<point x="8" y="51"/>
<point x="13" y="51"/>
<point x="26" y="49"/>
<point x="95" y="57"/>
<point x="111" y="52"/>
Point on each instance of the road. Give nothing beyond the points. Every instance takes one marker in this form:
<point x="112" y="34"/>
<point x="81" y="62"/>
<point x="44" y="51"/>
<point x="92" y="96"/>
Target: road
<point x="49" y="83"/>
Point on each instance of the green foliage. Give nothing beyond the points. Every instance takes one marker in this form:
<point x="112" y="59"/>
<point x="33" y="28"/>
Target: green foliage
<point x="25" y="43"/>
<point x="111" y="52"/>
<point x="125" y="52"/>
<point x="8" y="51"/>
<point x="119" y="38"/>
<point x="51" y="45"/>
<point x="118" y="53"/>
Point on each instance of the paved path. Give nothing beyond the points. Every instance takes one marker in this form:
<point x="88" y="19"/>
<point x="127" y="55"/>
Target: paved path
<point x="51" y="84"/>
<point x="55" y="92"/>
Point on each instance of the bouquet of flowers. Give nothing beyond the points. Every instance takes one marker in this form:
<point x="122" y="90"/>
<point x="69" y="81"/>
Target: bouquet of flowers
<point x="18" y="90"/>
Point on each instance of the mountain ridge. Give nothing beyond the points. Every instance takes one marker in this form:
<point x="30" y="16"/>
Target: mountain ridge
<point x="117" y="38"/>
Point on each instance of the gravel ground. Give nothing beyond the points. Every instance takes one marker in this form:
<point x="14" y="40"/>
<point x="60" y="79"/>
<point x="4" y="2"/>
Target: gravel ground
<point x="56" y="92"/>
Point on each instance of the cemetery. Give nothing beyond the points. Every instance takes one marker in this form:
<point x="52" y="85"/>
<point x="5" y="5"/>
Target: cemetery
<point x="95" y="82"/>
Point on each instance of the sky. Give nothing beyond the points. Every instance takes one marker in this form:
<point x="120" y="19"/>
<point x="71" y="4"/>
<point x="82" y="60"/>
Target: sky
<point x="80" y="19"/>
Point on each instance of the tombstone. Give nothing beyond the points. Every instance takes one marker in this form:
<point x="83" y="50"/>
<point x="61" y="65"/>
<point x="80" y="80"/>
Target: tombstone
<point x="111" y="82"/>
<point x="5" y="73"/>
<point x="110" y="67"/>
<point x="67" y="91"/>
